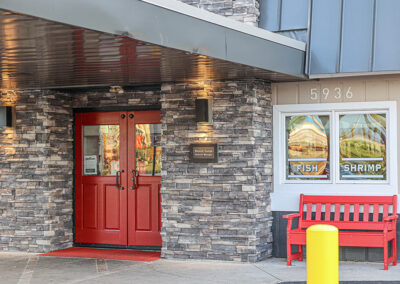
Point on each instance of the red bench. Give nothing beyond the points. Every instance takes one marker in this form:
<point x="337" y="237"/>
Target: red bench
<point x="374" y="227"/>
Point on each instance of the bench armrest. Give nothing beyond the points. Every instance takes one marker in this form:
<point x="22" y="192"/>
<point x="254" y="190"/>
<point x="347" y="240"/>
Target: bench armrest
<point x="291" y="216"/>
<point x="390" y="218"/>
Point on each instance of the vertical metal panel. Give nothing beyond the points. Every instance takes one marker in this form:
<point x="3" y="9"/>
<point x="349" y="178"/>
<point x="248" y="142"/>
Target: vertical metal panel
<point x="325" y="36"/>
<point x="357" y="35"/>
<point x="269" y="14"/>
<point x="297" y="34"/>
<point x="294" y="14"/>
<point x="387" y="36"/>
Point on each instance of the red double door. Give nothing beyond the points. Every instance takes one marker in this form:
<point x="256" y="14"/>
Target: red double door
<point x="118" y="178"/>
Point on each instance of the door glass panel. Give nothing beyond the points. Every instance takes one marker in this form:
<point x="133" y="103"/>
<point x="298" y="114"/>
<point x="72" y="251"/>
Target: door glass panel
<point x="148" y="149"/>
<point x="307" y="152"/>
<point x="100" y="150"/>
<point x="362" y="146"/>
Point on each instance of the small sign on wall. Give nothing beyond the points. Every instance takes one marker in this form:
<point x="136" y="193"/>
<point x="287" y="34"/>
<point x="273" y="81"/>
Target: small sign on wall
<point x="203" y="153"/>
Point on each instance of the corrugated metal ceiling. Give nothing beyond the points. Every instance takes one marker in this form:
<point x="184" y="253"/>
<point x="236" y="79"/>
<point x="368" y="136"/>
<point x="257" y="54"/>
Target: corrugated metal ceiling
<point x="37" y="53"/>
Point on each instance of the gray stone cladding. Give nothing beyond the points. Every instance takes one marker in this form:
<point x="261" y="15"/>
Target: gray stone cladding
<point x="36" y="173"/>
<point x="140" y="96"/>
<point x="217" y="210"/>
<point x="209" y="211"/>
<point x="246" y="11"/>
<point x="36" y="164"/>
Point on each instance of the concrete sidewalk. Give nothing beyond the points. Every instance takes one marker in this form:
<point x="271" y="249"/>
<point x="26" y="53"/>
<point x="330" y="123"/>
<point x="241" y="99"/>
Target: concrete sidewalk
<point x="30" y="268"/>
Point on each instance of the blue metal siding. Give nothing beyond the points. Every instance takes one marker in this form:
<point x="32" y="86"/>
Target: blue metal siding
<point x="300" y="35"/>
<point x="387" y="35"/>
<point x="325" y="36"/>
<point x="354" y="36"/>
<point x="357" y="35"/>
<point x="283" y="15"/>
<point x="269" y="15"/>
<point x="294" y="14"/>
<point x="286" y="17"/>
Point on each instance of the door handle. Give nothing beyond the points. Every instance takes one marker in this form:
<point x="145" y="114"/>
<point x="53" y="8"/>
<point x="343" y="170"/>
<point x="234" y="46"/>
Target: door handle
<point x="117" y="180"/>
<point x="134" y="179"/>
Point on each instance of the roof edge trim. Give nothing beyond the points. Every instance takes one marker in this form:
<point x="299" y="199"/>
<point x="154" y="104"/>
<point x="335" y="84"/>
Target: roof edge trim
<point x="352" y="74"/>
<point x="201" y="14"/>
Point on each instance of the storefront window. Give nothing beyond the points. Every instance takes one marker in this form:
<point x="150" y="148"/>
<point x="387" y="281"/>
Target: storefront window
<point x="100" y="150"/>
<point x="362" y="146"/>
<point x="148" y="150"/>
<point x="307" y="151"/>
<point x="347" y="148"/>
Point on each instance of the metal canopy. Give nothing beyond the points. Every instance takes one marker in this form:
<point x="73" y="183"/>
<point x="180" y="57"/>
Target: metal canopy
<point x="56" y="43"/>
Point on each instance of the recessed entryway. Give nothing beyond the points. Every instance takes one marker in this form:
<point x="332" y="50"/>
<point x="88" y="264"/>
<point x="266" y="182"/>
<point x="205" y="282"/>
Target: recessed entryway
<point x="118" y="178"/>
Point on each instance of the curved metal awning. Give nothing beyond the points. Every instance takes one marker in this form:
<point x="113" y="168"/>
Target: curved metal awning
<point x="58" y="43"/>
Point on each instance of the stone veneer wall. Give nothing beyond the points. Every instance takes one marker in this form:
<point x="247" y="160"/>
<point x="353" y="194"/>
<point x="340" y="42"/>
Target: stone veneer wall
<point x="210" y="211"/>
<point x="146" y="96"/>
<point x="36" y="165"/>
<point x="217" y="210"/>
<point x="246" y="11"/>
<point x="36" y="173"/>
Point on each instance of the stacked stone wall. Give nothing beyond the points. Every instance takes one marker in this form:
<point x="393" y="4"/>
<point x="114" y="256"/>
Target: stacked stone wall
<point x="138" y="97"/>
<point x="36" y="173"/>
<point x="217" y="210"/>
<point x="210" y="211"/>
<point x="246" y="11"/>
<point x="36" y="164"/>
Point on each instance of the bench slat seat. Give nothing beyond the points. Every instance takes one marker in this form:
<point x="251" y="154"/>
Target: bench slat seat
<point x="348" y="239"/>
<point x="363" y="221"/>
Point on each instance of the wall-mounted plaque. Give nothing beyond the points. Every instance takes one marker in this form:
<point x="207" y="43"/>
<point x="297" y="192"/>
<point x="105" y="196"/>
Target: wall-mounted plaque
<point x="203" y="153"/>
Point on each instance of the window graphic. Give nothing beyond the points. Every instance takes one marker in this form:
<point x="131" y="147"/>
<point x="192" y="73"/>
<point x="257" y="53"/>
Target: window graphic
<point x="307" y="153"/>
<point x="148" y="149"/>
<point x="362" y="146"/>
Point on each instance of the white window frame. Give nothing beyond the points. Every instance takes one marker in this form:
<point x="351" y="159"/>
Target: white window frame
<point x="286" y="192"/>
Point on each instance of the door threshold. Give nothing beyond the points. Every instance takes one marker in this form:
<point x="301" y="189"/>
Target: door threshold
<point x="106" y="246"/>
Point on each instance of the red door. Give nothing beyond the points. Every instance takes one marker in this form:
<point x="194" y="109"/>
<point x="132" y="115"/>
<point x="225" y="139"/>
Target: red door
<point x="144" y="163"/>
<point x="117" y="173"/>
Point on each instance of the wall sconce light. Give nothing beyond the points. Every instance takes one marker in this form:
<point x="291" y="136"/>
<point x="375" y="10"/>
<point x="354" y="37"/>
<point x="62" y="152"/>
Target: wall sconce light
<point x="116" y="89"/>
<point x="203" y="110"/>
<point x="6" y="116"/>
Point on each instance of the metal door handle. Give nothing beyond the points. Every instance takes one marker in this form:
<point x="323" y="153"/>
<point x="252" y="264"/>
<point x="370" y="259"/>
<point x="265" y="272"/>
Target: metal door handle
<point x="117" y="180"/>
<point x="134" y="176"/>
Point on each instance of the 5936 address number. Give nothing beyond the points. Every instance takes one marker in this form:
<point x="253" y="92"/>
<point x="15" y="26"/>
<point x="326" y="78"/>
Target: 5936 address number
<point x="325" y="93"/>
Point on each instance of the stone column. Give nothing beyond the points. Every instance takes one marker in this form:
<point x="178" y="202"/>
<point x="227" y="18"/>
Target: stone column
<point x="246" y="11"/>
<point x="217" y="210"/>
<point x="36" y="173"/>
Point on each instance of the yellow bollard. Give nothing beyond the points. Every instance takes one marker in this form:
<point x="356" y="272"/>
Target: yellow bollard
<point x="322" y="254"/>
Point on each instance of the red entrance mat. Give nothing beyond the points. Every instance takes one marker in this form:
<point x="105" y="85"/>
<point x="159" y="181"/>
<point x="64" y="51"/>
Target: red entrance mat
<point x="106" y="254"/>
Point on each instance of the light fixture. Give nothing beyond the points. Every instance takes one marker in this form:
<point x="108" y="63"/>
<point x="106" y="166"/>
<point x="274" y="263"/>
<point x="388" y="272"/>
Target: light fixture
<point x="6" y="116"/>
<point x="203" y="110"/>
<point x="116" y="89"/>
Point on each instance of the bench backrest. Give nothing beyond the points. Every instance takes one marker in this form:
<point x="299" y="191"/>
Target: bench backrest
<point x="347" y="212"/>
